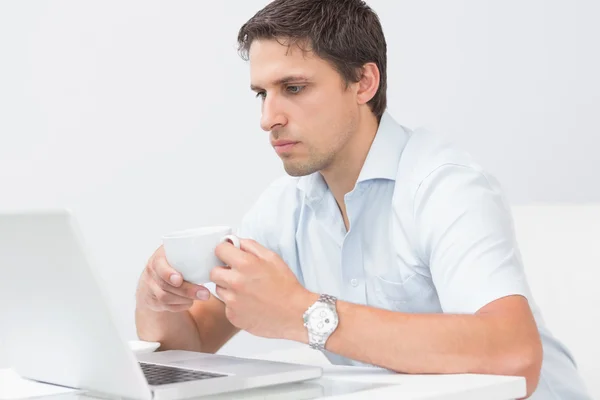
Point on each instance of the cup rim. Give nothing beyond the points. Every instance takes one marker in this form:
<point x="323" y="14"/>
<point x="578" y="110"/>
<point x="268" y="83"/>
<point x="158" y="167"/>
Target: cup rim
<point x="201" y="230"/>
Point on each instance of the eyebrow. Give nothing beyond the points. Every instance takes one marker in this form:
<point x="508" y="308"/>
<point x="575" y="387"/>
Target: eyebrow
<point x="282" y="81"/>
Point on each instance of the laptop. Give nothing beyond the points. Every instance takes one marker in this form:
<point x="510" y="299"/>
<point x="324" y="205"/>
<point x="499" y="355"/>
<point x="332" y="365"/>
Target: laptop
<point x="57" y="327"/>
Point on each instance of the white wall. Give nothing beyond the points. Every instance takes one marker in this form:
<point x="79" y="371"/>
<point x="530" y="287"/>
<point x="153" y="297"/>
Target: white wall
<point x="137" y="114"/>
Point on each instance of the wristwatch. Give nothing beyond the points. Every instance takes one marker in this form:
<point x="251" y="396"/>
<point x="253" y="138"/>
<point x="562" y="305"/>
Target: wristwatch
<point x="321" y="320"/>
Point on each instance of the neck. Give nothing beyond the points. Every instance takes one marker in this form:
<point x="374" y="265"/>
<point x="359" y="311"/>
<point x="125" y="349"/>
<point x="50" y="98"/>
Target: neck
<point x="342" y="174"/>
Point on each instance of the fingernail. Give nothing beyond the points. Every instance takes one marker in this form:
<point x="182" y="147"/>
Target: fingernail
<point x="175" y="279"/>
<point x="202" y="294"/>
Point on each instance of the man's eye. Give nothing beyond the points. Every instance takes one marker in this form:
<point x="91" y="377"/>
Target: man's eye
<point x="262" y="95"/>
<point x="294" y="89"/>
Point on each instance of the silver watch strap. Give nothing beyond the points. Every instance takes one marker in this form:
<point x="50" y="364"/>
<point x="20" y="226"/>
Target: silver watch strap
<point x="315" y="341"/>
<point x="326" y="298"/>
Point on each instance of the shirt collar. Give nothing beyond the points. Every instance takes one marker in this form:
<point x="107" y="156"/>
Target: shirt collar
<point x="384" y="155"/>
<point x="381" y="163"/>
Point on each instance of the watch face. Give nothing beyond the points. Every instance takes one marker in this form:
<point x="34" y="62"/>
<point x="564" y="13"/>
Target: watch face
<point x="322" y="321"/>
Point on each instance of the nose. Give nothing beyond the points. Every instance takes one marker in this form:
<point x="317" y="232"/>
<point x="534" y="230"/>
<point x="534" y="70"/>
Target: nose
<point x="272" y="114"/>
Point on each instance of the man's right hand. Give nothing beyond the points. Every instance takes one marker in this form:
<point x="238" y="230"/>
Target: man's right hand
<point x="162" y="288"/>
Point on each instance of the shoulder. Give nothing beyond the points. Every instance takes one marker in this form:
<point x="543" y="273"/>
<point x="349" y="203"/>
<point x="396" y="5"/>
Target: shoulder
<point x="431" y="161"/>
<point x="281" y="195"/>
<point x="274" y="210"/>
<point x="438" y="183"/>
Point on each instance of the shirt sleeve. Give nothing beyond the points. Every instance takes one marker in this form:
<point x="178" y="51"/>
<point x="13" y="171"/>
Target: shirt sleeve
<point x="466" y="235"/>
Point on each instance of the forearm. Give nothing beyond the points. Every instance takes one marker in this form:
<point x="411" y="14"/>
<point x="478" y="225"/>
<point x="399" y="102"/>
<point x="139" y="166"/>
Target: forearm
<point x="421" y="343"/>
<point x="203" y="328"/>
<point x="174" y="330"/>
<point x="485" y="343"/>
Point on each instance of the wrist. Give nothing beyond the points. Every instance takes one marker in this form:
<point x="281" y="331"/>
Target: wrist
<point x="299" y="305"/>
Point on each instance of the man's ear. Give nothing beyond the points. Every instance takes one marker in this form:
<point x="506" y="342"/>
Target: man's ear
<point x="368" y="84"/>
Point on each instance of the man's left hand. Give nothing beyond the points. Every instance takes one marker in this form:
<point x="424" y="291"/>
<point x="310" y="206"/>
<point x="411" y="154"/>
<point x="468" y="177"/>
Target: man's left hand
<point x="260" y="292"/>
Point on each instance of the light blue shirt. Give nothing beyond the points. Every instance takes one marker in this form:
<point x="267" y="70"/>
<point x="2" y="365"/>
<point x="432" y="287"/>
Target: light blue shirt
<point x="430" y="232"/>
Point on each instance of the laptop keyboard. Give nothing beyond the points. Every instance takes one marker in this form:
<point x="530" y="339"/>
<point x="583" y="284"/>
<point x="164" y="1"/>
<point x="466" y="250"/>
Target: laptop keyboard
<point x="163" y="375"/>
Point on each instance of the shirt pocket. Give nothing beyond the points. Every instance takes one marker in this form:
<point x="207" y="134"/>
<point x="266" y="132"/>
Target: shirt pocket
<point x="416" y="294"/>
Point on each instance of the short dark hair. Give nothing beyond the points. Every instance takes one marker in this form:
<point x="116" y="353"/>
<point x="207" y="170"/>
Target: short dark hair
<point x="346" y="33"/>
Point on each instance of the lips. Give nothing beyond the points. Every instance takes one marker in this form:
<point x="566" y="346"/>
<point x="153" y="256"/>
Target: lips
<point x="278" y="143"/>
<point x="283" y="146"/>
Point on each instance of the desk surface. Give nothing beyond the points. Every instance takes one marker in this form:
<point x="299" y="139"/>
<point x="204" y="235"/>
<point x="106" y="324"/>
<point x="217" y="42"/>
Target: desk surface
<point x="338" y="382"/>
<point x="345" y="382"/>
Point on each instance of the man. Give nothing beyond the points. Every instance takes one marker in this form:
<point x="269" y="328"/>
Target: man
<point x="396" y="247"/>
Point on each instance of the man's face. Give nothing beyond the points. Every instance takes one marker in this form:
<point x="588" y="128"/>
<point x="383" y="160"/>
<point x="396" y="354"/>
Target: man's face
<point x="306" y="106"/>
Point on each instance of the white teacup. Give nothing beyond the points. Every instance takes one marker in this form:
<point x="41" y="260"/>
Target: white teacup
<point x="192" y="251"/>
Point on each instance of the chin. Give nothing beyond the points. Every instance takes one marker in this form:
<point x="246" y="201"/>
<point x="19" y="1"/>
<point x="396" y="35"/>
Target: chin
<point x="297" y="170"/>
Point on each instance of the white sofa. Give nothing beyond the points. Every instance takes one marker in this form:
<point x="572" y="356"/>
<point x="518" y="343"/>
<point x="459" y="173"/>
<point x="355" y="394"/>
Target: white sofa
<point x="560" y="245"/>
<point x="3" y="361"/>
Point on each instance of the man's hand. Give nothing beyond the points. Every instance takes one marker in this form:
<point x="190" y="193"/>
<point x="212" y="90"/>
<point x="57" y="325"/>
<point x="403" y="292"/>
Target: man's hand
<point x="161" y="288"/>
<point x="261" y="294"/>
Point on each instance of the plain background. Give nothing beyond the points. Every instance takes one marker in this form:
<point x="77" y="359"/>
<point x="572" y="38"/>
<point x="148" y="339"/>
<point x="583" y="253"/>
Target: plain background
<point x="138" y="116"/>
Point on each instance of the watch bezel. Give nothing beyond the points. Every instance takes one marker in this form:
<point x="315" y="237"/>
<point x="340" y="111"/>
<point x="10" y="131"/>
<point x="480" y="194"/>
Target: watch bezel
<point x="316" y="308"/>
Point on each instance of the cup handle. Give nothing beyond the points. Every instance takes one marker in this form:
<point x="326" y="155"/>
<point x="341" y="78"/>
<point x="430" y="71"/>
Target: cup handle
<point x="234" y="240"/>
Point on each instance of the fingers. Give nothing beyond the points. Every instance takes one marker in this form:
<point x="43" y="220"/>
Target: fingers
<point x="185" y="289"/>
<point x="165" y="272"/>
<point x="159" y="299"/>
<point x="163" y="288"/>
<point x="156" y="299"/>
<point x="224" y="277"/>
<point x="225" y="295"/>
<point x="168" y="299"/>
<point x="232" y="256"/>
<point x="167" y="290"/>
<point x="171" y="280"/>
<point x="255" y="248"/>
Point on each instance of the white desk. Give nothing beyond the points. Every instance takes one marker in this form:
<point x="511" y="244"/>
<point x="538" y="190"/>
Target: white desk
<point x="341" y="382"/>
<point x="337" y="383"/>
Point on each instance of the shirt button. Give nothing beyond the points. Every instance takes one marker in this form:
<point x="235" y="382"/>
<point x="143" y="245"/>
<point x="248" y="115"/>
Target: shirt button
<point x="354" y="282"/>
